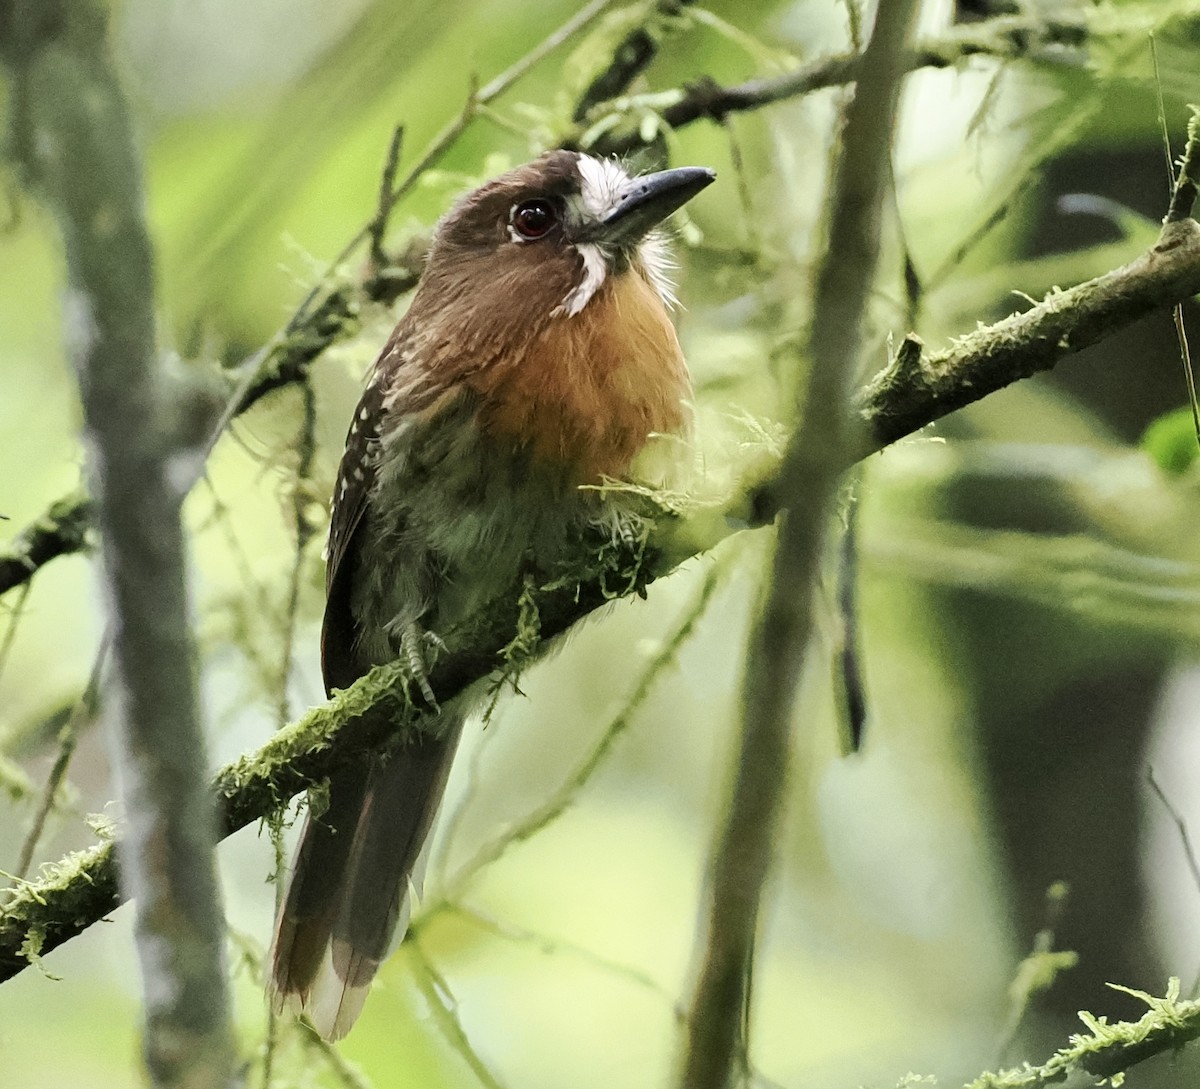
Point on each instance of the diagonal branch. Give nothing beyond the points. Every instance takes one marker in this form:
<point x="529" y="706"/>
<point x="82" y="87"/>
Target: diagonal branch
<point x="630" y="59"/>
<point x="1003" y="37"/>
<point x="916" y="389"/>
<point x="1105" y="1051"/>
<point x="61" y="531"/>
<point x="79" y="891"/>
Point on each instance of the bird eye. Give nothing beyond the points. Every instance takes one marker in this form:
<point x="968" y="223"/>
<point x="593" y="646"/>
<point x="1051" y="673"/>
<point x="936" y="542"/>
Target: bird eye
<point x="534" y="218"/>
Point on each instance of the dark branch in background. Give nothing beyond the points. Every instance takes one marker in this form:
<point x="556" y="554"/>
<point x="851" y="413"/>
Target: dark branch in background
<point x="61" y="531"/>
<point x="807" y="482"/>
<point x="333" y="312"/>
<point x="1005" y="38"/>
<point x="630" y="59"/>
<point x="74" y="141"/>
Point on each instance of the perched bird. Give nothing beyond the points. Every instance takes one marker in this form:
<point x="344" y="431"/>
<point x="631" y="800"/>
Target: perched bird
<point x="537" y="357"/>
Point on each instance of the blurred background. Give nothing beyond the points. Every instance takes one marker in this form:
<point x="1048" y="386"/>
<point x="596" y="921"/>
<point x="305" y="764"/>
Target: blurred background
<point x="1028" y="586"/>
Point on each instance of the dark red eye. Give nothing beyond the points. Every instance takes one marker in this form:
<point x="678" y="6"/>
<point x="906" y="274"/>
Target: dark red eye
<point x="534" y="218"/>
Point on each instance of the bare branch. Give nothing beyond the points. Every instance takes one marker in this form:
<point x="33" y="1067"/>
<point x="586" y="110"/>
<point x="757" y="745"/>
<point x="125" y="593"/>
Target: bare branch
<point x="78" y="151"/>
<point x="1004" y="37"/>
<point x="807" y="481"/>
<point x="630" y="59"/>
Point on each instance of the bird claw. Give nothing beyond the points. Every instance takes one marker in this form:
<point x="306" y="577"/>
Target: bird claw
<point x="420" y="649"/>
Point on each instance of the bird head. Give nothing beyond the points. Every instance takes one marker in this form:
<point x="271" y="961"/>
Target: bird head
<point x="539" y="243"/>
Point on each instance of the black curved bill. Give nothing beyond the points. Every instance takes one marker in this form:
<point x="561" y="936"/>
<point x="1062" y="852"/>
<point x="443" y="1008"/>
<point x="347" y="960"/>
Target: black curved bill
<point x="648" y="201"/>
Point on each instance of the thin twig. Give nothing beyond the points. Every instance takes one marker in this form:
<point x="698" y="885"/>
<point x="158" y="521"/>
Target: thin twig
<point x="558" y="802"/>
<point x="1187" y="181"/>
<point x="545" y="944"/>
<point x="1181" y="827"/>
<point x="10" y="630"/>
<point x="441" y="1002"/>
<point x="83" y="711"/>
<point x="1037" y="972"/>
<point x="254" y="598"/>
<point x="1161" y="105"/>
<point x="303" y="530"/>
<point x="630" y="59"/>
<point x="378" y="226"/>
<point x="346" y="1072"/>
<point x="444" y="140"/>
<point x="1189" y="370"/>
<point x="1183" y="198"/>
<point x="849" y="651"/>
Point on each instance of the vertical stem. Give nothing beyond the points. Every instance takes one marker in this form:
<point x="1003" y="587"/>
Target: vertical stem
<point x="808" y="479"/>
<point x="74" y="138"/>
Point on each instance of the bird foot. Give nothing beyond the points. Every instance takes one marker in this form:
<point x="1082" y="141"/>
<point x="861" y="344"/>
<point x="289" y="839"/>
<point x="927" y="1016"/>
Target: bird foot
<point x="420" y="650"/>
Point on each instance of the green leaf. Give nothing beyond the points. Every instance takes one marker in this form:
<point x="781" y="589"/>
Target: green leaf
<point x="1172" y="442"/>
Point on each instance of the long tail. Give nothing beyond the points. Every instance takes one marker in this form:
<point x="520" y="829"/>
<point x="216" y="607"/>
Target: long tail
<point x="348" y="898"/>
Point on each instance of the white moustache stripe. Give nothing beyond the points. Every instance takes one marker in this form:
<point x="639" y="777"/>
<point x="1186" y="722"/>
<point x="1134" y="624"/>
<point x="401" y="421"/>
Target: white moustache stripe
<point x="595" y="269"/>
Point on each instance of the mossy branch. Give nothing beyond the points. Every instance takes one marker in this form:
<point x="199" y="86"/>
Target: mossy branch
<point x="374" y="713"/>
<point x="1107" y="1050"/>
<point x="917" y="388"/>
<point x="61" y="531"/>
<point x="38" y="916"/>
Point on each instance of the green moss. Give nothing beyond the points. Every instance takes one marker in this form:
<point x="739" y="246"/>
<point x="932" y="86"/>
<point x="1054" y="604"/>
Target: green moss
<point x="1107" y="1051"/>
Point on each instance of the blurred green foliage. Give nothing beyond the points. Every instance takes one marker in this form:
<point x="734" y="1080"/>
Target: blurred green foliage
<point x="1172" y="442"/>
<point x="1030" y="579"/>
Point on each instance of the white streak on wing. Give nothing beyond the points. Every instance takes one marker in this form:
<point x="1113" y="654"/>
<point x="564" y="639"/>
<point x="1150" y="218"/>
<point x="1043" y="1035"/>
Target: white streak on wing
<point x="595" y="269"/>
